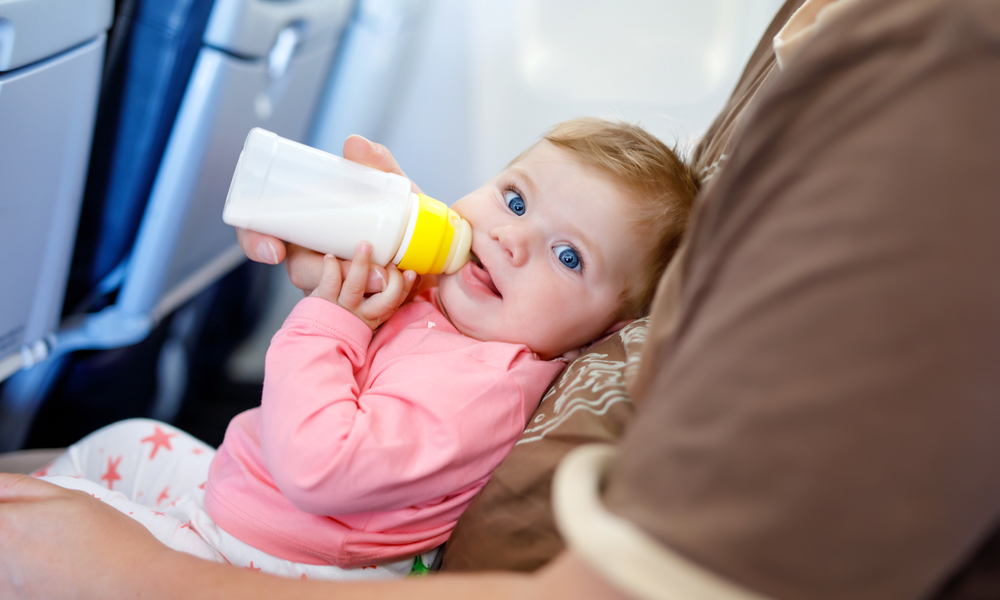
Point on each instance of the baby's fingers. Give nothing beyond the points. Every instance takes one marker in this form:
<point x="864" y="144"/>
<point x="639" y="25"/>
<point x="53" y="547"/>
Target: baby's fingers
<point x="378" y="308"/>
<point x="329" y="283"/>
<point x="352" y="293"/>
<point x="376" y="276"/>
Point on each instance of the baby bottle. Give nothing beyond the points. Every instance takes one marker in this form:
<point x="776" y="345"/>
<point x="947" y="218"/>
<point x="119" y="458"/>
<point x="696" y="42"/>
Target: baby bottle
<point x="328" y="204"/>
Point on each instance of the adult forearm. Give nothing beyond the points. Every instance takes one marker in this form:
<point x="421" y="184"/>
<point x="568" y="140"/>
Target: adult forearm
<point x="182" y="576"/>
<point x="57" y="543"/>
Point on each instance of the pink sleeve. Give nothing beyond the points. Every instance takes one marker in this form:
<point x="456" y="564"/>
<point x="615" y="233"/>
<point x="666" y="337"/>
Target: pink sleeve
<point x="429" y="425"/>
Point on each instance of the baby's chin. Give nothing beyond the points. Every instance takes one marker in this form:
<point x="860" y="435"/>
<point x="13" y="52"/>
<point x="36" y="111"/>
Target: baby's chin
<point x="446" y="285"/>
<point x="466" y="319"/>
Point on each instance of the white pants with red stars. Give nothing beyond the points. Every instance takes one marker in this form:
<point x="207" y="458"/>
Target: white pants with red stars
<point x="156" y="474"/>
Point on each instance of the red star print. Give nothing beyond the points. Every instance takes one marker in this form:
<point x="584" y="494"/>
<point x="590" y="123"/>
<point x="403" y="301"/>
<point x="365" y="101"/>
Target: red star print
<point x="163" y="495"/>
<point x="188" y="525"/>
<point x="196" y="450"/>
<point x="42" y="472"/>
<point x="202" y="486"/>
<point x="303" y="576"/>
<point x="112" y="475"/>
<point x="251" y="567"/>
<point x="159" y="438"/>
<point x="369" y="567"/>
<point x="158" y="513"/>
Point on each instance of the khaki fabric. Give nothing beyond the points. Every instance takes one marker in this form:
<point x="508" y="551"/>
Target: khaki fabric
<point x="714" y="148"/>
<point x="822" y="421"/>
<point x="802" y="25"/>
<point x="709" y="156"/>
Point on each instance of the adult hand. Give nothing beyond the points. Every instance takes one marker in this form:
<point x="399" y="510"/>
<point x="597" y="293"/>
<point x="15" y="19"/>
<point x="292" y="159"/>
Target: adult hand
<point x="59" y="543"/>
<point x="304" y="266"/>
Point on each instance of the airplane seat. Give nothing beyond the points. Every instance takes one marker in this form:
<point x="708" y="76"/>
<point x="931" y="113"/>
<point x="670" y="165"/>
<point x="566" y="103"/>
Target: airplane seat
<point x="51" y="54"/>
<point x="152" y="50"/>
<point x="144" y="79"/>
<point x="197" y="76"/>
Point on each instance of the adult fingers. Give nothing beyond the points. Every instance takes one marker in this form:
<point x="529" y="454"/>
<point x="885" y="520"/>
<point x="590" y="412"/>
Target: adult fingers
<point x="377" y="156"/>
<point x="330" y="284"/>
<point x="352" y="293"/>
<point x="305" y="267"/>
<point x="259" y="247"/>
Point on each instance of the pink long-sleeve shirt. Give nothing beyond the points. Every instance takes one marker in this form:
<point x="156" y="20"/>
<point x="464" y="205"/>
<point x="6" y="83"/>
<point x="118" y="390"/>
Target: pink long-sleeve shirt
<point x="367" y="449"/>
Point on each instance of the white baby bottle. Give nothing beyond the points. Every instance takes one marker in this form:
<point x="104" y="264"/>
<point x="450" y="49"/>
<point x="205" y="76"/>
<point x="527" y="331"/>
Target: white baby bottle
<point x="326" y="203"/>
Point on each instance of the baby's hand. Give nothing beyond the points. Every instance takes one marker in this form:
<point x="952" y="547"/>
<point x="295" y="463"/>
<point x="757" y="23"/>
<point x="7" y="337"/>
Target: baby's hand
<point x="350" y="294"/>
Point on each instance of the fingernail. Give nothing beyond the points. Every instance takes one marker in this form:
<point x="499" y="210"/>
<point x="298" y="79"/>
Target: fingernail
<point x="384" y="284"/>
<point x="267" y="253"/>
<point x="366" y="247"/>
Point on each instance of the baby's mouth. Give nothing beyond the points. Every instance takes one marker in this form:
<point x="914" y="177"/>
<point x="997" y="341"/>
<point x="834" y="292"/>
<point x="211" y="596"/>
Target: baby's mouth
<point x="480" y="273"/>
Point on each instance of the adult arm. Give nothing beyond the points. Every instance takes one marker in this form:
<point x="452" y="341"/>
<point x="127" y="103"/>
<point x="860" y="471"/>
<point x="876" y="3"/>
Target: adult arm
<point x="57" y="543"/>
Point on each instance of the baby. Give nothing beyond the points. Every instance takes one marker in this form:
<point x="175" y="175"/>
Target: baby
<point x="380" y="420"/>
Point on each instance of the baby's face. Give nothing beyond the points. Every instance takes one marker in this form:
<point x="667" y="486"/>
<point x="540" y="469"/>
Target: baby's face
<point x="555" y="250"/>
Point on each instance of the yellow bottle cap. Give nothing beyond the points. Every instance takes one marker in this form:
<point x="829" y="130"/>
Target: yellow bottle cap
<point x="440" y="240"/>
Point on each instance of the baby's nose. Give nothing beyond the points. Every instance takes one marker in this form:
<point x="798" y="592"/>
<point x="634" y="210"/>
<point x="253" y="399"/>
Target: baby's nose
<point x="517" y="242"/>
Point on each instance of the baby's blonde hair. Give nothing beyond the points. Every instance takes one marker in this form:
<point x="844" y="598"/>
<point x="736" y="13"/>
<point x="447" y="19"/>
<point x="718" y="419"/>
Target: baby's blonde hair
<point x="662" y="186"/>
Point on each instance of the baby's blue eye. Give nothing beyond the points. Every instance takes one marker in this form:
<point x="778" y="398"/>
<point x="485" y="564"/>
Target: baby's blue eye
<point x="568" y="257"/>
<point x="514" y="202"/>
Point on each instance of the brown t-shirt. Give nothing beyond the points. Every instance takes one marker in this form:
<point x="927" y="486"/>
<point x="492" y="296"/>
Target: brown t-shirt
<point x="709" y="156"/>
<point x="824" y="419"/>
